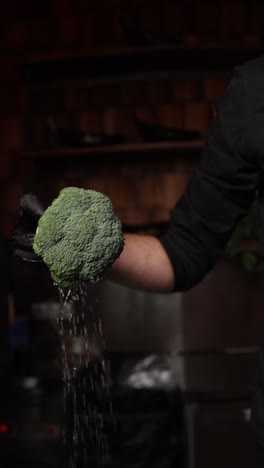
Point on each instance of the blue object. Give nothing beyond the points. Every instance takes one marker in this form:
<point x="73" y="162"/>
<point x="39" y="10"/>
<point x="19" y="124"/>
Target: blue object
<point x="19" y="334"/>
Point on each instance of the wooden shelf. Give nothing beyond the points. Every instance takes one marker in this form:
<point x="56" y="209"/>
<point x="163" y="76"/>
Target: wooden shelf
<point x="128" y="61"/>
<point x="130" y="150"/>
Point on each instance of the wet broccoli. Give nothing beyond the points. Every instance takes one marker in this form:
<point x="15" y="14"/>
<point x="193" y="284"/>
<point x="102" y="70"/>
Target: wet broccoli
<point x="78" y="236"/>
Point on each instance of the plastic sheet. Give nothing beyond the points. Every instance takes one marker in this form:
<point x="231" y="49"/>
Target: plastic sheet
<point x="154" y="371"/>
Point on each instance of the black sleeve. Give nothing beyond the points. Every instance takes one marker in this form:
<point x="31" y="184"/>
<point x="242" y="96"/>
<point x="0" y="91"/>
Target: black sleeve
<point x="218" y="194"/>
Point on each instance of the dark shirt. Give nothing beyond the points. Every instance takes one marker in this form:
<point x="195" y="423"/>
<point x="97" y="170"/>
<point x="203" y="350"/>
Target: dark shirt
<point x="222" y="189"/>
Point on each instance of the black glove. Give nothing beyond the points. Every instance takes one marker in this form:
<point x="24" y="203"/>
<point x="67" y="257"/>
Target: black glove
<point x="23" y="237"/>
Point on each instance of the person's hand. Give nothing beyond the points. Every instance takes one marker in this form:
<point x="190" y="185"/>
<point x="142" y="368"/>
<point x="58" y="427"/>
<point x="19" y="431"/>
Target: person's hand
<point x="23" y="237"/>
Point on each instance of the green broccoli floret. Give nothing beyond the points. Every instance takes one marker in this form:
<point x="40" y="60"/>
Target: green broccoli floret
<point x="78" y="236"/>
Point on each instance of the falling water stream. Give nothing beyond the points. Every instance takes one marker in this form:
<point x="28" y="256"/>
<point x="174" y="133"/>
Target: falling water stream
<point x="85" y="379"/>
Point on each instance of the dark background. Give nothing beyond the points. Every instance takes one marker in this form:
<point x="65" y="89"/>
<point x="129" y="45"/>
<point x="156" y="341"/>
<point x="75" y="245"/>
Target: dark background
<point x="213" y="330"/>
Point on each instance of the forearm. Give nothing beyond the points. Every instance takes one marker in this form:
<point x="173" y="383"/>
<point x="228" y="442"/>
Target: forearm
<point x="143" y="264"/>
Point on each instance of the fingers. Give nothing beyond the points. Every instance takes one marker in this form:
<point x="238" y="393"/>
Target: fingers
<point x="23" y="239"/>
<point x="27" y="256"/>
<point x="24" y="233"/>
<point x="31" y="205"/>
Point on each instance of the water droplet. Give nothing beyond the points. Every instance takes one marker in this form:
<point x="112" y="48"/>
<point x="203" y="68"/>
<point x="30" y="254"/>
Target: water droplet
<point x="83" y="374"/>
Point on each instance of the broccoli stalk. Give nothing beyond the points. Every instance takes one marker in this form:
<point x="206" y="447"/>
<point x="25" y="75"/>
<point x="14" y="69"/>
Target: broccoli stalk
<point x="78" y="236"/>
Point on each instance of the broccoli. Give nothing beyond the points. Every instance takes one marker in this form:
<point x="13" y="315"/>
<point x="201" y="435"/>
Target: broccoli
<point x="78" y="236"/>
